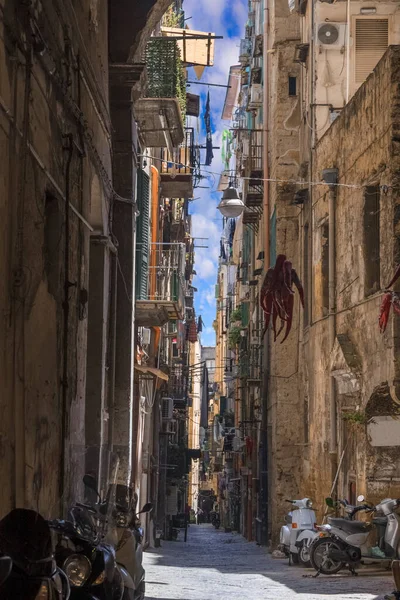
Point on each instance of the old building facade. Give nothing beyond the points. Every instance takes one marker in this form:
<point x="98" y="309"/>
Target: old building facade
<point x="97" y="254"/>
<point x="315" y="146"/>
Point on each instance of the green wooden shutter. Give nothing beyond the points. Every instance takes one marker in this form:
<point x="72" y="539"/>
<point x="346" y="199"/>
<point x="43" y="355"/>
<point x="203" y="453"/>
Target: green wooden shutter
<point x="143" y="236"/>
<point x="245" y="313"/>
<point x="246" y="253"/>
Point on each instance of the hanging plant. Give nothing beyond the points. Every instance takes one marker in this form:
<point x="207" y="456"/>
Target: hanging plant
<point x="233" y="337"/>
<point x="171" y="18"/>
<point x="355" y="418"/>
<point x="236" y="315"/>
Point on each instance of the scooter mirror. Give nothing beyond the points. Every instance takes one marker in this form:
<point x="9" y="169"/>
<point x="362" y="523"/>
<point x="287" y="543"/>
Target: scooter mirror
<point x="360" y="498"/>
<point x="5" y="568"/>
<point x="146" y="508"/>
<point x="329" y="502"/>
<point x="90" y="482"/>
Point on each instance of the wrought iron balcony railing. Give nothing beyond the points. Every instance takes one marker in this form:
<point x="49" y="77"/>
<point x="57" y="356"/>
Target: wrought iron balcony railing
<point x="177" y="170"/>
<point x="160" y="296"/>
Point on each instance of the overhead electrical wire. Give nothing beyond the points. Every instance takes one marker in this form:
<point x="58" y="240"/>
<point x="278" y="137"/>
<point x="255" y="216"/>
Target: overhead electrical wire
<point x="384" y="187"/>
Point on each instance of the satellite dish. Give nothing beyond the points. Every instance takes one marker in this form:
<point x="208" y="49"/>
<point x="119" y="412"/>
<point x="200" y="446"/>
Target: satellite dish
<point x="328" y="34"/>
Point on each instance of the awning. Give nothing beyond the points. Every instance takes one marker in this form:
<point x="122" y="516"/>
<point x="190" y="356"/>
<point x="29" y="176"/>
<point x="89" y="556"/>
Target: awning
<point x="152" y="371"/>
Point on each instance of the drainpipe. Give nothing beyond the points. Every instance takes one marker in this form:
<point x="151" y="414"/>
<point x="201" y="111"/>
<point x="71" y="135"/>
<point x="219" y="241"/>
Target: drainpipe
<point x="69" y="147"/>
<point x="263" y="474"/>
<point x="330" y="176"/>
<point x="265" y="139"/>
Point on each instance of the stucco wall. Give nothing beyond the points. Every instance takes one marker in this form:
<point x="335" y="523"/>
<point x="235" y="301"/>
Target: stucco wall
<point x="362" y="145"/>
<point x="40" y="101"/>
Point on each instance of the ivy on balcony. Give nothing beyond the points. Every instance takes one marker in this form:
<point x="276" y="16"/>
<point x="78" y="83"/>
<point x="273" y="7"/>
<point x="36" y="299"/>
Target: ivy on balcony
<point x="165" y="72"/>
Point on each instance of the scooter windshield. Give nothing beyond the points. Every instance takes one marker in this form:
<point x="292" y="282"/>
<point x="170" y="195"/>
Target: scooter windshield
<point x="93" y="509"/>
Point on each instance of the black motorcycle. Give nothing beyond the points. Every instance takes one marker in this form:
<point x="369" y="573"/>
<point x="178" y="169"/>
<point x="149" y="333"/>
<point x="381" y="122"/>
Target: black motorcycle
<point x="89" y="564"/>
<point x="85" y="547"/>
<point x="216" y="520"/>
<point x="28" y="570"/>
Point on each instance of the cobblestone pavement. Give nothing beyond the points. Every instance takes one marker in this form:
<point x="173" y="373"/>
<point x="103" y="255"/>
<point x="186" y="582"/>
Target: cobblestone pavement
<point x="214" y="565"/>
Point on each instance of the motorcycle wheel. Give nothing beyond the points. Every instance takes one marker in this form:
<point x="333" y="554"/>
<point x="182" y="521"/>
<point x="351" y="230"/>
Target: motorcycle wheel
<point x="319" y="557"/>
<point x="304" y="555"/>
<point x="216" y="525"/>
<point x="293" y="559"/>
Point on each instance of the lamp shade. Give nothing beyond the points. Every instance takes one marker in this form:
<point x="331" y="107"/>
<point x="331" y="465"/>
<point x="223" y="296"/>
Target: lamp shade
<point x="231" y="208"/>
<point x="230" y="193"/>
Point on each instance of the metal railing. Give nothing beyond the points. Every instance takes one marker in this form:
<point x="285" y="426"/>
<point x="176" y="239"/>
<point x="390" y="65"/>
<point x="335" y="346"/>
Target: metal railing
<point x="166" y="268"/>
<point x="182" y="162"/>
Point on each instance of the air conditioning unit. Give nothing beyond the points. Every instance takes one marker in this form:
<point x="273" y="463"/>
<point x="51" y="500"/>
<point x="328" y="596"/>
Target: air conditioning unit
<point x="167" y="409"/>
<point x="256" y="96"/>
<point x="331" y="36"/>
<point x="146" y="336"/>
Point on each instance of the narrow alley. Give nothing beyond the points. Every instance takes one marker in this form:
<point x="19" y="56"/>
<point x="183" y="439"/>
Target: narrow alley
<point x="214" y="565"/>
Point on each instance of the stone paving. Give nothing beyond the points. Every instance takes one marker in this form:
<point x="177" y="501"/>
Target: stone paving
<point x="214" y="565"/>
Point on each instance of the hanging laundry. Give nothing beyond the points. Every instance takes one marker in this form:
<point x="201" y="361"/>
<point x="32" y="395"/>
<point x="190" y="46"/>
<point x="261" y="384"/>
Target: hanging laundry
<point x="200" y="324"/>
<point x="226" y="152"/>
<point x="209" y="143"/>
<point x="222" y="251"/>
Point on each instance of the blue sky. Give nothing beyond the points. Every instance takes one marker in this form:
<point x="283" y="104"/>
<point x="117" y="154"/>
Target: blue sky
<point x="226" y="18"/>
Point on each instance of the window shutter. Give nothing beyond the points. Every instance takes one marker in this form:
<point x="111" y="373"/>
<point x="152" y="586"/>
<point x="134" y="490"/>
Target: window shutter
<point x="372" y="39"/>
<point x="143" y="236"/>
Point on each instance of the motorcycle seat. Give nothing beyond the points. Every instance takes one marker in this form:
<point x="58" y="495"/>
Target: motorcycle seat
<point x="350" y="527"/>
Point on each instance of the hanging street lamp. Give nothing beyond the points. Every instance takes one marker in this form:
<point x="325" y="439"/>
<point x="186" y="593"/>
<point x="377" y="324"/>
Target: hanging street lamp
<point x="231" y="206"/>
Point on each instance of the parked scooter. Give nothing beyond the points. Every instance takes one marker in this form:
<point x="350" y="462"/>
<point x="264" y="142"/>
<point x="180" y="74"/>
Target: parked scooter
<point x="345" y="542"/>
<point x="28" y="570"/>
<point x="299" y="532"/>
<point x="84" y="549"/>
<point x="129" y="546"/>
<point x="215" y="520"/>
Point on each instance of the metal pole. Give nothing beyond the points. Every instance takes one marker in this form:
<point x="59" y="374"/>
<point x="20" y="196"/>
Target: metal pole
<point x="210" y="84"/>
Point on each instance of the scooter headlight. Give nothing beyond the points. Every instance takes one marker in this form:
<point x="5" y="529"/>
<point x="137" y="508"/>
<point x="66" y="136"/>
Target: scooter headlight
<point x="309" y="504"/>
<point x="100" y="579"/>
<point x="43" y="593"/>
<point x="77" y="568"/>
<point x="122" y="519"/>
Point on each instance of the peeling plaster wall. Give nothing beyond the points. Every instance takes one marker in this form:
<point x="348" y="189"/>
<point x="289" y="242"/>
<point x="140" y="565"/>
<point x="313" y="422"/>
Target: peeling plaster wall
<point x="285" y="404"/>
<point x="363" y="144"/>
<point x="32" y="248"/>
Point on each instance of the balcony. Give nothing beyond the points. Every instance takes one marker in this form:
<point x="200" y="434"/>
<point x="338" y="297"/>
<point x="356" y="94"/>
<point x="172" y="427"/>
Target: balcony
<point x="179" y="220"/>
<point x="161" y="298"/>
<point x="178" y="385"/>
<point x="160" y="112"/>
<point x="177" y="169"/>
<point x="245" y="51"/>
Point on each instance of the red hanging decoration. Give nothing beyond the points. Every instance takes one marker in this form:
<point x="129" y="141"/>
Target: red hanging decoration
<point x="277" y="295"/>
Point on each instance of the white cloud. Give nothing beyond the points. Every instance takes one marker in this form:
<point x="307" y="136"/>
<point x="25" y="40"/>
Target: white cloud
<point x="206" y="268"/>
<point x="222" y="17"/>
<point x="207" y="296"/>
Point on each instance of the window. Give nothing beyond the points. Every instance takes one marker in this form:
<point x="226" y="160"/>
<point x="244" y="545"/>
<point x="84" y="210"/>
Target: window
<point x="371" y="240"/>
<point x="371" y="42"/>
<point x="325" y="268"/>
<point x="306" y="273"/>
<point x="292" y="86"/>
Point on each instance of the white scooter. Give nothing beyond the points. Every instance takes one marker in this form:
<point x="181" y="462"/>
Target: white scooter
<point x="299" y="532"/>
<point x="345" y="542"/>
